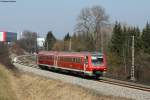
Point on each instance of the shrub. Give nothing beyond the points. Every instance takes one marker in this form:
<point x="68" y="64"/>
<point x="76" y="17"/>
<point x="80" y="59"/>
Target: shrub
<point x="4" y="56"/>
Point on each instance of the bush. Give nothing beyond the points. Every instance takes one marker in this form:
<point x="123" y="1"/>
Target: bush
<point x="4" y="56"/>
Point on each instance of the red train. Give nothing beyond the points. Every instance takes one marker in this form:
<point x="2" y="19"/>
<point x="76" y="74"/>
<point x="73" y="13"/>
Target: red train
<point x="87" y="63"/>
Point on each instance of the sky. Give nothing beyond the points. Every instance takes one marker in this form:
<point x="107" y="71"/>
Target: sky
<point x="60" y="16"/>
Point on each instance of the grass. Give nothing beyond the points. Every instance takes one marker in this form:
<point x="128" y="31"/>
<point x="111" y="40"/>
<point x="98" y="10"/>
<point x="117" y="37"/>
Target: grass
<point x="6" y="91"/>
<point x="31" y="87"/>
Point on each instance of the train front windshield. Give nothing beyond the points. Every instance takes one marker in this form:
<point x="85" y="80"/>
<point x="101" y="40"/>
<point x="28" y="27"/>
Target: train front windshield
<point x="97" y="60"/>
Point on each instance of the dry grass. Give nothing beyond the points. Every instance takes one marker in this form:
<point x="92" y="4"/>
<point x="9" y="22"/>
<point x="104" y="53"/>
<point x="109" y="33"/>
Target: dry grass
<point x="31" y="87"/>
<point x="6" y="91"/>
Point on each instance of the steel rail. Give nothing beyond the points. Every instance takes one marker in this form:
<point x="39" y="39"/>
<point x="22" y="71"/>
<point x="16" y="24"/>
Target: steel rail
<point x="126" y="84"/>
<point x="102" y="79"/>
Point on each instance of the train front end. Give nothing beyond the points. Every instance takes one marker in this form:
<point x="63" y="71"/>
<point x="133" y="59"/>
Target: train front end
<point x="97" y="64"/>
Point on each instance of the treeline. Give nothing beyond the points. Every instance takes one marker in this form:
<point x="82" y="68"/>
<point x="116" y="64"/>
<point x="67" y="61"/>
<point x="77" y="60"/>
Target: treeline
<point x="122" y="36"/>
<point x="118" y="47"/>
<point x="120" y="52"/>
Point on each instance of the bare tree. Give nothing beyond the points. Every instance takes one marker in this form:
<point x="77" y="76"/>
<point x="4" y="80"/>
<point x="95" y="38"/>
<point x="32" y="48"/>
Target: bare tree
<point x="92" y="21"/>
<point x="29" y="41"/>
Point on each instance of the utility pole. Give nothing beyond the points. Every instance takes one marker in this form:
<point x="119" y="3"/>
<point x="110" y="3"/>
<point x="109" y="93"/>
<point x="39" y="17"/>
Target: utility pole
<point x="132" y="67"/>
<point x="47" y="45"/>
<point x="102" y="46"/>
<point x="70" y="44"/>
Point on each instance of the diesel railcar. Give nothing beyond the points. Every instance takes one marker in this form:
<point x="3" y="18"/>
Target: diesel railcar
<point x="87" y="63"/>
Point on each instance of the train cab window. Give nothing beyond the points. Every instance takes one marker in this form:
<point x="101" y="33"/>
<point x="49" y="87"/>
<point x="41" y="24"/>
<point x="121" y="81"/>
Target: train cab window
<point x="97" y="60"/>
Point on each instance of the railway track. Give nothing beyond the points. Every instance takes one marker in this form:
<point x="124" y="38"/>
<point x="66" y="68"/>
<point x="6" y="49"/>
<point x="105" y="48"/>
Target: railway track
<point x="30" y="60"/>
<point x="125" y="84"/>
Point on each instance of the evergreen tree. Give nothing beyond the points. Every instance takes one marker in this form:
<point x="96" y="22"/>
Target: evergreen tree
<point x="146" y="38"/>
<point x="66" y="42"/>
<point x="67" y="37"/>
<point x="117" y="39"/>
<point x="49" y="41"/>
<point x="137" y="39"/>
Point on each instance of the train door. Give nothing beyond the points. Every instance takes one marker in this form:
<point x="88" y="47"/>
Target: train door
<point x="55" y="60"/>
<point x="85" y="63"/>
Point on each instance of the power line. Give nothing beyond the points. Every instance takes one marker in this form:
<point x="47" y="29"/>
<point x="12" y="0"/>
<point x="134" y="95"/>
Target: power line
<point x="70" y="44"/>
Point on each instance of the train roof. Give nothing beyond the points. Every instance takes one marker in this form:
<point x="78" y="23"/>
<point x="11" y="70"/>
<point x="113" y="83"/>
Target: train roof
<point x="77" y="54"/>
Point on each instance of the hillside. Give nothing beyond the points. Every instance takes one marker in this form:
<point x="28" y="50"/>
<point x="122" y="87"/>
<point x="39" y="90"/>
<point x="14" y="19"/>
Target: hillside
<point x="23" y="86"/>
<point x="6" y="91"/>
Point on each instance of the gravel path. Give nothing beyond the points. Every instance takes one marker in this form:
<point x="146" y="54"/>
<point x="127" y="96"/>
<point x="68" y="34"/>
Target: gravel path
<point x="103" y="88"/>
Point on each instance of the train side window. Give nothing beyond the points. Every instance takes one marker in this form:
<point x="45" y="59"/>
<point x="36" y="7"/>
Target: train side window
<point x="73" y="59"/>
<point x="65" y="59"/>
<point x="76" y="60"/>
<point x="58" y="58"/>
<point x="68" y="59"/>
<point x="61" y="58"/>
<point x="86" y="59"/>
<point x="79" y="60"/>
